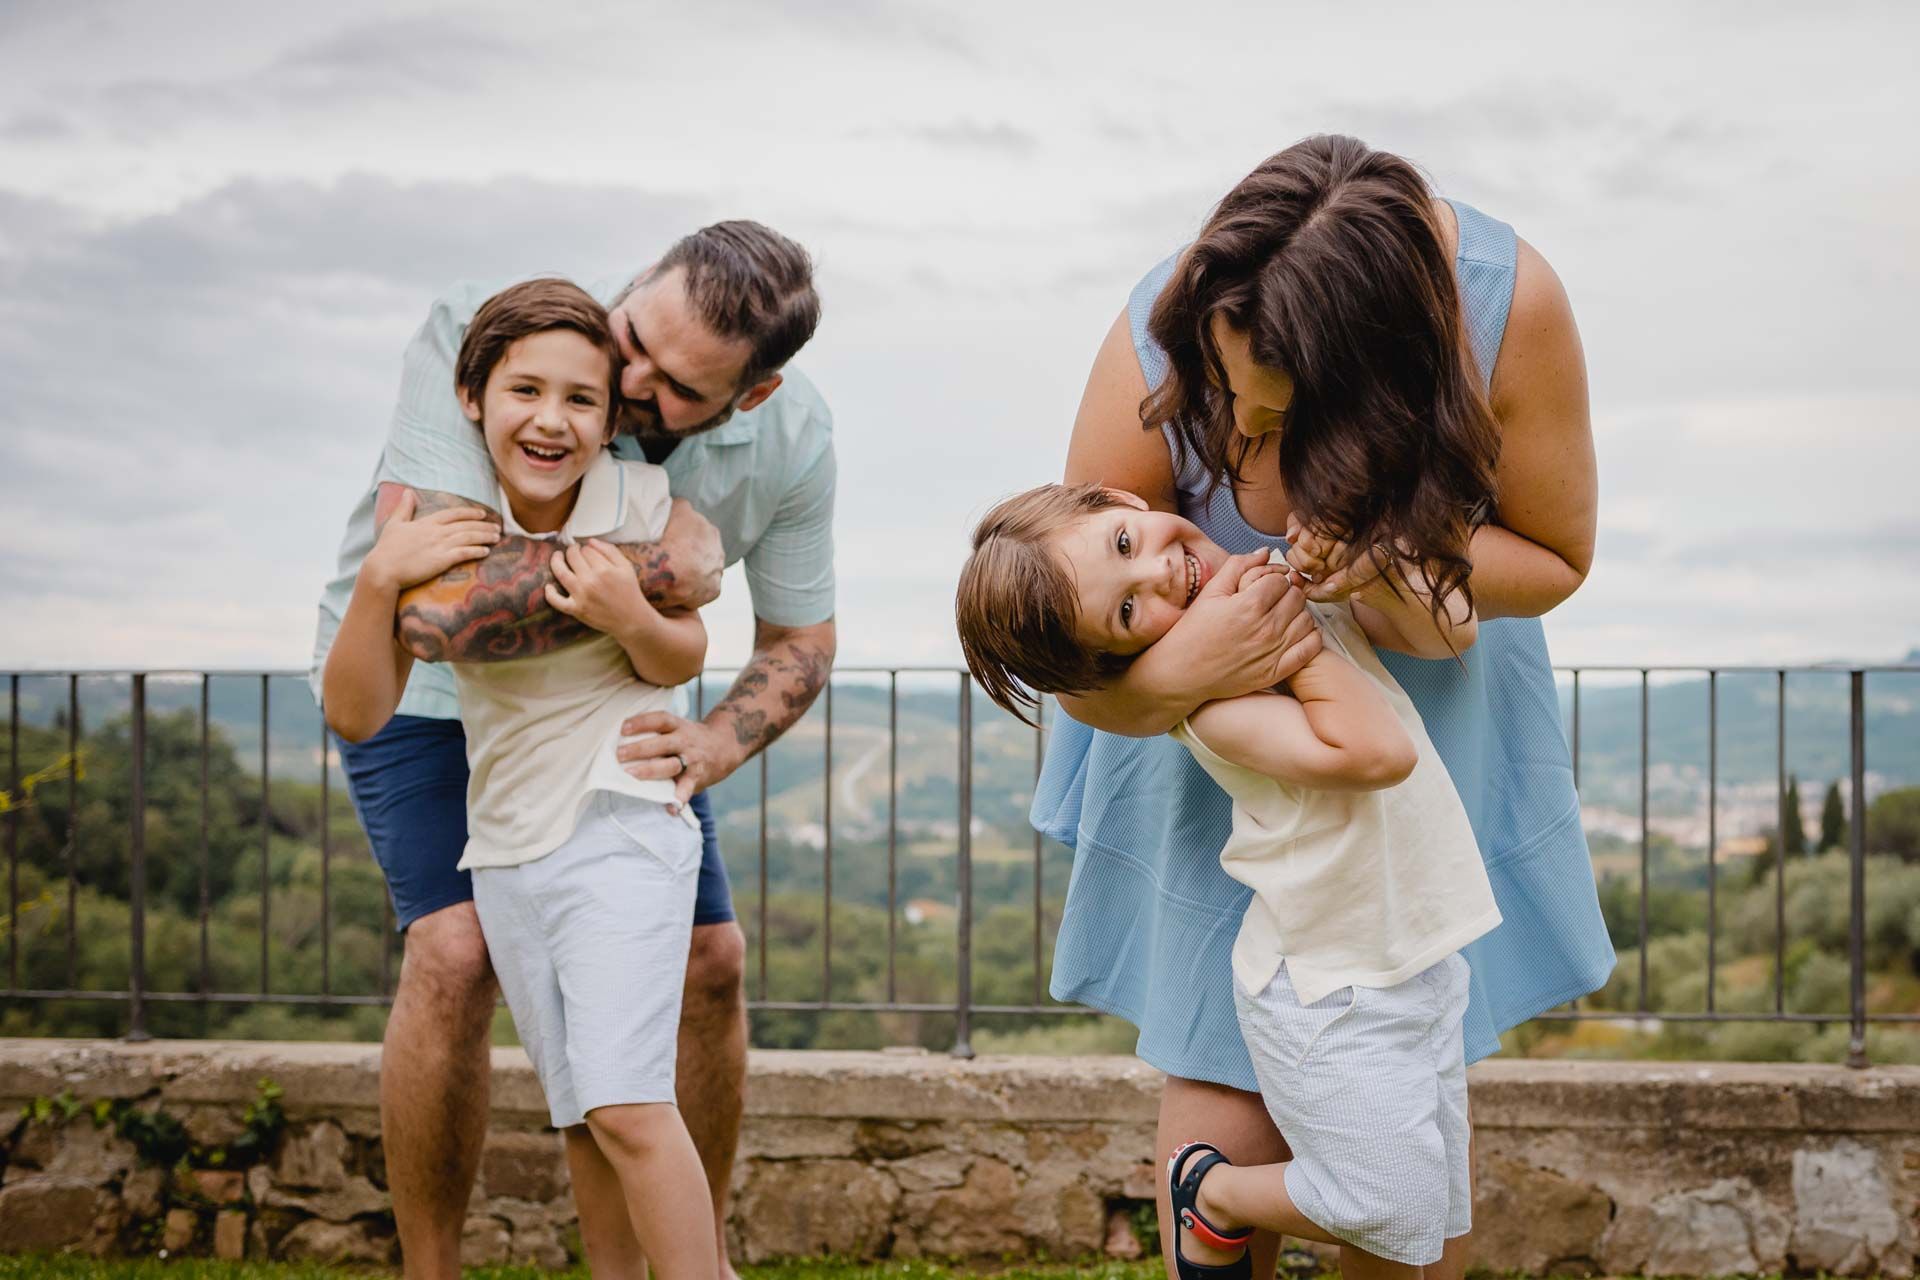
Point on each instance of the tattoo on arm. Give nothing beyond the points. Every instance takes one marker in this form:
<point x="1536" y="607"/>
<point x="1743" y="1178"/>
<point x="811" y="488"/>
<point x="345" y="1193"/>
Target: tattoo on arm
<point x="788" y="669"/>
<point x="655" y="570"/>
<point x="495" y="609"/>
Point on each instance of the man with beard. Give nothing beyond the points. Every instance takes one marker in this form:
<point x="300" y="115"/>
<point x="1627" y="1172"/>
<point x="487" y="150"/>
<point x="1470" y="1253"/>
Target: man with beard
<point x="705" y="334"/>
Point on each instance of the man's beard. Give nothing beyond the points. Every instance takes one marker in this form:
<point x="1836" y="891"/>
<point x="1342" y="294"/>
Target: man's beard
<point x="642" y="418"/>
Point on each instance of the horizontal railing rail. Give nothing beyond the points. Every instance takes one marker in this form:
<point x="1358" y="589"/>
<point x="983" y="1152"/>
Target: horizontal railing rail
<point x="139" y="993"/>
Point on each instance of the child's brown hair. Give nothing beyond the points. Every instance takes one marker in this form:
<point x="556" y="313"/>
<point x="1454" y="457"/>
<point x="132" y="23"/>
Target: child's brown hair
<point x="1017" y="608"/>
<point x="520" y="310"/>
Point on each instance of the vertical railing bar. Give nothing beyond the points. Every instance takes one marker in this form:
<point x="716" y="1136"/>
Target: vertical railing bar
<point x="326" y="867"/>
<point x="1713" y="829"/>
<point x="1575" y="1002"/>
<point x="1857" y="877"/>
<point x="206" y="855"/>
<point x="73" y="830"/>
<point x="1576" y="729"/>
<point x="266" y="799"/>
<point x="762" y="932"/>
<point x="826" y="881"/>
<point x="963" y="999"/>
<point x="137" y="840"/>
<point x="14" y="801"/>
<point x="1039" y="753"/>
<point x="1645" y="842"/>
<point x="893" y="829"/>
<point x="1780" y="847"/>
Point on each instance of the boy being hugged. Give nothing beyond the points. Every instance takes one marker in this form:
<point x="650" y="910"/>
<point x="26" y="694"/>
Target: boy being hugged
<point x="584" y="876"/>
<point x="1366" y="879"/>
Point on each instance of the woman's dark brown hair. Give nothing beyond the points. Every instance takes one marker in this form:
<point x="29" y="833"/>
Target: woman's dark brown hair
<point x="1330" y="258"/>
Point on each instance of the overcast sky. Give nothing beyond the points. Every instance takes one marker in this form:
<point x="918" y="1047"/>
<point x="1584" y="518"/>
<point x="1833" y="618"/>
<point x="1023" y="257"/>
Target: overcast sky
<point x="220" y="223"/>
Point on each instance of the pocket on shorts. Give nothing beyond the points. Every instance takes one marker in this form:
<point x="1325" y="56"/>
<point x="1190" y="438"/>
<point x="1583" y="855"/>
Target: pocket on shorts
<point x="655" y="833"/>
<point x="1298" y="1030"/>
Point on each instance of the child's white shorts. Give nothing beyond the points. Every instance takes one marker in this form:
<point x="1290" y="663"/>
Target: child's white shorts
<point x="1369" y="1088"/>
<point x="590" y="945"/>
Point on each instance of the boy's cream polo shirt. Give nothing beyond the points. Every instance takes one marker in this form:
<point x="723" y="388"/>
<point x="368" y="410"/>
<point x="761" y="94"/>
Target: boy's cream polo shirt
<point x="541" y="731"/>
<point x="1350" y="888"/>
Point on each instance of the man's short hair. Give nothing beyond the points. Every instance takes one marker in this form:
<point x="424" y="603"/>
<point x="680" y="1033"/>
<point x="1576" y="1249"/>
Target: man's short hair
<point x="1017" y="609"/>
<point x="521" y="310"/>
<point x="748" y="281"/>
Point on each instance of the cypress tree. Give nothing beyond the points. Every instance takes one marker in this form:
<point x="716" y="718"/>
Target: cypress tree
<point x="1793" y="830"/>
<point x="1833" y="821"/>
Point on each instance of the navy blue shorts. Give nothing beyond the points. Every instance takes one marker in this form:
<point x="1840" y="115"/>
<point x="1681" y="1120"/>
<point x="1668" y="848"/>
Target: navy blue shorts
<point x="409" y="786"/>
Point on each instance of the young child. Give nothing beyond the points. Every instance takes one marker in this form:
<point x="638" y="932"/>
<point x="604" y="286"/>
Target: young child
<point x="583" y="876"/>
<point x="1365" y="874"/>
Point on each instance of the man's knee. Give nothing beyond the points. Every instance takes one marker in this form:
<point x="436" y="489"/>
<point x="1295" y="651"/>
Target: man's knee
<point x="447" y="952"/>
<point x="717" y="965"/>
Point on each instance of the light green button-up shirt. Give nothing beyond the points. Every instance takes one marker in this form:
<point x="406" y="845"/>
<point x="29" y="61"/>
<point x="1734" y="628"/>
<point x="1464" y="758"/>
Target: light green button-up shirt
<point x="765" y="479"/>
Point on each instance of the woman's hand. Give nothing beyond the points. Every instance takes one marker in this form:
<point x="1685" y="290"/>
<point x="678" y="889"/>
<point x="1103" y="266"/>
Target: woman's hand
<point x="596" y="585"/>
<point x="1247" y="630"/>
<point x="410" y="551"/>
<point x="1331" y="567"/>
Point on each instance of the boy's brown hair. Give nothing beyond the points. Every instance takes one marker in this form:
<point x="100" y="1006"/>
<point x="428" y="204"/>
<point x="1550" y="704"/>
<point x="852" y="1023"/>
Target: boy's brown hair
<point x="1017" y="607"/>
<point x="520" y="310"/>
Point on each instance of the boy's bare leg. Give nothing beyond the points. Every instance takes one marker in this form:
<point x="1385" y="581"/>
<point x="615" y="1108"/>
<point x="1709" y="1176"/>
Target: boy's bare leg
<point x="711" y="1067"/>
<point x="433" y="1086"/>
<point x="1453" y="1260"/>
<point x="606" y="1232"/>
<point x="1237" y="1123"/>
<point x="1256" y="1196"/>
<point x="665" y="1190"/>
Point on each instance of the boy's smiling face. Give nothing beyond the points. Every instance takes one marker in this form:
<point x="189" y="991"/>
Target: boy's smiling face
<point x="1135" y="572"/>
<point x="545" y="416"/>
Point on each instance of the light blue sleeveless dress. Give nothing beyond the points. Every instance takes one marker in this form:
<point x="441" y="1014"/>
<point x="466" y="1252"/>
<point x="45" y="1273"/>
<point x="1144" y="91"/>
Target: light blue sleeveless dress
<point x="1150" y="917"/>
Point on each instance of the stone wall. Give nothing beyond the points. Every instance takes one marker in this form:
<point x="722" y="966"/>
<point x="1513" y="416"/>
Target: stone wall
<point x="1689" y="1169"/>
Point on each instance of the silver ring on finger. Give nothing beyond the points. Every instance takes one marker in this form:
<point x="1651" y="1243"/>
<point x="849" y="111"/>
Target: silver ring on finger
<point x="681" y="761"/>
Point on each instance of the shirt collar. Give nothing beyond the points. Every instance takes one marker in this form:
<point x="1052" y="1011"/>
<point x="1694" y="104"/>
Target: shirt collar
<point x="599" y="509"/>
<point x="739" y="431"/>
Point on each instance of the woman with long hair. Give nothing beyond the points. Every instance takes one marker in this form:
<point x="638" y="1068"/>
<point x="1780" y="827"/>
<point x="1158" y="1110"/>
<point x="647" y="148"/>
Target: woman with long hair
<point x="1391" y="385"/>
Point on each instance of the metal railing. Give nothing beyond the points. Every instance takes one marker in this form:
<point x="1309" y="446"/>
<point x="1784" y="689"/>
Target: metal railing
<point x="1858" y="1016"/>
<point x="139" y="993"/>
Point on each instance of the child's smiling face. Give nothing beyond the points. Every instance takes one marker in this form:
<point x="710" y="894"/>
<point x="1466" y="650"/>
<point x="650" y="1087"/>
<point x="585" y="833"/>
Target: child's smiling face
<point x="1135" y="571"/>
<point x="545" y="413"/>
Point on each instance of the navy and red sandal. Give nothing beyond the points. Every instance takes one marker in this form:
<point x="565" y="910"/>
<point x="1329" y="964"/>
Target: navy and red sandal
<point x="1184" y="1173"/>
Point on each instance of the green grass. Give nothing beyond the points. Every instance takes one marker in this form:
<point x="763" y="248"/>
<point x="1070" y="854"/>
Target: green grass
<point x="68" y="1268"/>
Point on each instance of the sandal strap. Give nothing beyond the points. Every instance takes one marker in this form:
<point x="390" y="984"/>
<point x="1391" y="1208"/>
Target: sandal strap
<point x="1188" y="1166"/>
<point x="1189" y="1188"/>
<point x="1192" y="1220"/>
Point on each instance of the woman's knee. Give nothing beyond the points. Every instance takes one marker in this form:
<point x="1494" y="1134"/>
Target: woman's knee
<point x="1232" y="1119"/>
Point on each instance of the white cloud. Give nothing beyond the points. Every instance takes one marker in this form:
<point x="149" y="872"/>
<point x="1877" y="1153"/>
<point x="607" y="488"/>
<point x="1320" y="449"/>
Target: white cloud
<point x="216" y="235"/>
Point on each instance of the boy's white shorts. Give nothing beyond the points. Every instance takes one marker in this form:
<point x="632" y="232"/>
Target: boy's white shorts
<point x="590" y="946"/>
<point x="1369" y="1088"/>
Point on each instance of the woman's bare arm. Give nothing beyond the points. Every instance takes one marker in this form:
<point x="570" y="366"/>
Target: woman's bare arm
<point x="1539" y="552"/>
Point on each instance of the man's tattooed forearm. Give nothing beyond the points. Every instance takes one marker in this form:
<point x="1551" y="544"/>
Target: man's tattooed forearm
<point x="795" y="671"/>
<point x="811" y="667"/>
<point x="655" y="569"/>
<point x="750" y="730"/>
<point x="492" y="612"/>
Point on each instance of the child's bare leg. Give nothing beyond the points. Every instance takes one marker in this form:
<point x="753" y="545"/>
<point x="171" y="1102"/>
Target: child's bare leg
<point x="1242" y="1129"/>
<point x="613" y="1250"/>
<point x="663" y="1184"/>
<point x="1236" y="1196"/>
